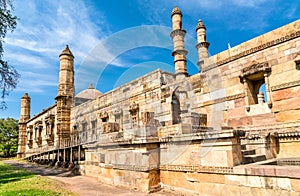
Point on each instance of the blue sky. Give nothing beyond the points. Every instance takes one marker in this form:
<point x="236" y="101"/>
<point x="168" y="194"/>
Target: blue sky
<point x="116" y="41"/>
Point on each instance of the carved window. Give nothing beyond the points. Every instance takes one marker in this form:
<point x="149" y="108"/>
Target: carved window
<point x="297" y="62"/>
<point x="256" y="84"/>
<point x="253" y="87"/>
<point x="104" y="117"/>
<point x="36" y="133"/>
<point x="134" y="120"/>
<point x="118" y="113"/>
<point x="38" y="128"/>
<point x="94" y="126"/>
<point x="84" y="126"/>
<point x="29" y="136"/>
<point x="176" y="119"/>
<point x="102" y="158"/>
<point x="134" y="112"/>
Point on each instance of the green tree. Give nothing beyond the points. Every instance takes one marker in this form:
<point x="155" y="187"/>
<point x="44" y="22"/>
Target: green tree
<point x="8" y="137"/>
<point x="8" y="74"/>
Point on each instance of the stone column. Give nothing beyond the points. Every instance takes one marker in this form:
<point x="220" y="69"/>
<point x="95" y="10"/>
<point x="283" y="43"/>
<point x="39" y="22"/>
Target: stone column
<point x="247" y="106"/>
<point x="71" y="155"/>
<point x="268" y="90"/>
<point x="79" y="153"/>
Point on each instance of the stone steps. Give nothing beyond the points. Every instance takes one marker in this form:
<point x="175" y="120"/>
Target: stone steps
<point x="248" y="152"/>
<point x="253" y="158"/>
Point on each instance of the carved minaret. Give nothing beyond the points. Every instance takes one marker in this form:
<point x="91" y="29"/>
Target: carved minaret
<point x="24" y="117"/>
<point x="202" y="45"/>
<point x="64" y="98"/>
<point x="179" y="51"/>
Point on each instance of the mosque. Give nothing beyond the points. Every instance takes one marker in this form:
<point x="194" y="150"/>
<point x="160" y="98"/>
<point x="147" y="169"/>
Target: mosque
<point x="211" y="133"/>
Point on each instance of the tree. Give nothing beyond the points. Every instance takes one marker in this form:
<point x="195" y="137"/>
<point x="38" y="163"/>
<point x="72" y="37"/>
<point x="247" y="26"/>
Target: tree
<point x="9" y="75"/>
<point x="8" y="137"/>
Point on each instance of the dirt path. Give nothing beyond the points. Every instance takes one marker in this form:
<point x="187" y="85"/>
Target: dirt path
<point x="82" y="185"/>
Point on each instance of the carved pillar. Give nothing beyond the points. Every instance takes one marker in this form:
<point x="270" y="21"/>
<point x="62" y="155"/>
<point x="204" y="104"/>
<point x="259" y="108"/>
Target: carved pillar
<point x="71" y="155"/>
<point x="58" y="155"/>
<point x="247" y="106"/>
<point x="79" y="153"/>
<point x="268" y="90"/>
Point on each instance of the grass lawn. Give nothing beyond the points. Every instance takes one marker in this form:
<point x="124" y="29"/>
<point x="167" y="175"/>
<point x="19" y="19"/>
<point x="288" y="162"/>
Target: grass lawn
<point x="15" y="181"/>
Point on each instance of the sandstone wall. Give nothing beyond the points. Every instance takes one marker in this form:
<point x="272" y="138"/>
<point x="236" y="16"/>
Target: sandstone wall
<point x="222" y="90"/>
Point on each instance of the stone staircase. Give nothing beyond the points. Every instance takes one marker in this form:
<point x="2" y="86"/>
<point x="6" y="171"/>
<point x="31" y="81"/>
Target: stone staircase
<point x="250" y="154"/>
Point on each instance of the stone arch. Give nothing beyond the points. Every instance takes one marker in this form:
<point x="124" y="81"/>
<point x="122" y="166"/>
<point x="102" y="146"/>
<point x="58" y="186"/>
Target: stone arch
<point x="178" y="104"/>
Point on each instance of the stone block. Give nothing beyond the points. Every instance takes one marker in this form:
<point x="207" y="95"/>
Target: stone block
<point x="286" y="104"/>
<point x="240" y="102"/>
<point x="286" y="93"/>
<point x="238" y="122"/>
<point x="288" y="116"/>
<point x="236" y="112"/>
<point x="276" y="69"/>
<point x="295" y="184"/>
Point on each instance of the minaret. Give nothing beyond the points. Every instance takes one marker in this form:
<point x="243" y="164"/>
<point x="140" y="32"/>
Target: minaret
<point x="64" y="98"/>
<point x="24" y="117"/>
<point x="202" y="45"/>
<point x="179" y="51"/>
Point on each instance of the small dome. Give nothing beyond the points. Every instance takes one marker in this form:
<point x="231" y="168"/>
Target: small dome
<point x="176" y="10"/>
<point x="200" y="25"/>
<point x="90" y="93"/>
<point x="25" y="96"/>
<point x="66" y="51"/>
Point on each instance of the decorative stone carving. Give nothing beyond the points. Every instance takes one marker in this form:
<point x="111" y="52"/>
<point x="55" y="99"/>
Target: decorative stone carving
<point x="285" y="85"/>
<point x="49" y="121"/>
<point x="255" y="68"/>
<point x="254" y="50"/>
<point x="147" y="117"/>
<point x="109" y="127"/>
<point x="117" y="111"/>
<point x="133" y="108"/>
<point x="103" y="115"/>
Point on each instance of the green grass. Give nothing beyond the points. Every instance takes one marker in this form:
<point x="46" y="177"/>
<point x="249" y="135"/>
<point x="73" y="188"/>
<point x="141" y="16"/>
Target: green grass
<point x="15" y="181"/>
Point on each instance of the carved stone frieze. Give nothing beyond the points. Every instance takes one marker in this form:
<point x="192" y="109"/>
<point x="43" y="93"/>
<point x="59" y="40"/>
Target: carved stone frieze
<point x="197" y="168"/>
<point x="227" y="98"/>
<point x="254" y="49"/>
<point x="285" y="85"/>
<point x="255" y="68"/>
<point x="135" y="167"/>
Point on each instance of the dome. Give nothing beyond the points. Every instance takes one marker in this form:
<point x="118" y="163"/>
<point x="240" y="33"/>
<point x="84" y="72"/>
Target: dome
<point x="66" y="51"/>
<point x="90" y="93"/>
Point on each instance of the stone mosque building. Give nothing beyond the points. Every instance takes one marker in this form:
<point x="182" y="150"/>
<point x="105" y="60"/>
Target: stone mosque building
<point x="212" y="133"/>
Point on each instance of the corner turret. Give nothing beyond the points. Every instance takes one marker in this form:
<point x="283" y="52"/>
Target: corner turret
<point x="24" y="117"/>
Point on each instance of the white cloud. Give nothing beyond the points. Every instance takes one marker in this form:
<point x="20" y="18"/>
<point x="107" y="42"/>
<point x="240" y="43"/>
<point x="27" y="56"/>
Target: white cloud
<point x="36" y="62"/>
<point x="44" y="28"/>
